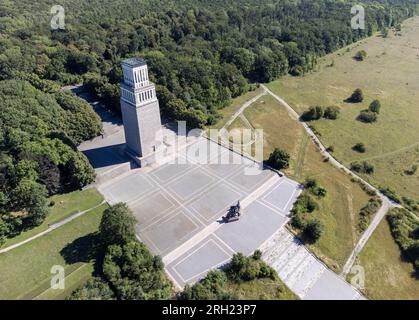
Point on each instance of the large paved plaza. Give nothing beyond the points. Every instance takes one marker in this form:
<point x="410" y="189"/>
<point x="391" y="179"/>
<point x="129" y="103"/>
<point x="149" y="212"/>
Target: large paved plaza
<point x="179" y="206"/>
<point x="185" y="200"/>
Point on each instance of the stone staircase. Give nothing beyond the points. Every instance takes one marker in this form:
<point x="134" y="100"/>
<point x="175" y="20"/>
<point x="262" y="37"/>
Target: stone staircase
<point x="297" y="267"/>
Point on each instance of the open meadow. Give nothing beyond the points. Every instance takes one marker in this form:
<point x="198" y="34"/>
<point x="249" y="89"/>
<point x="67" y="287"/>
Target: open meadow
<point x="387" y="275"/>
<point x="339" y="210"/>
<point x="390" y="73"/>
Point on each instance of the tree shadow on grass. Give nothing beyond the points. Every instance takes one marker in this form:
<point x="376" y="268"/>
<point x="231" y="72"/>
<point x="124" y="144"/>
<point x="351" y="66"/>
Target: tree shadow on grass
<point x="407" y="259"/>
<point x="85" y="249"/>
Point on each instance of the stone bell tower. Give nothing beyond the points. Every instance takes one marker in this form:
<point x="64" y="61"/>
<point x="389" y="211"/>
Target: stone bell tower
<point x="140" y="111"/>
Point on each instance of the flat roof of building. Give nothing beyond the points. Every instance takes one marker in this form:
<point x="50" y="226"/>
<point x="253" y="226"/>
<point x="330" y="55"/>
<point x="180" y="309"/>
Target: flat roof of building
<point x="134" y="62"/>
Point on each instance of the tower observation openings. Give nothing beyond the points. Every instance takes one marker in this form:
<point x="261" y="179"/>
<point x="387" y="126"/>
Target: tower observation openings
<point x="140" y="109"/>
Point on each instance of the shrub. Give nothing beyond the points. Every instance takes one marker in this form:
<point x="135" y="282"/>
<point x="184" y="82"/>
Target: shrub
<point x="412" y="170"/>
<point x="313" y="113"/>
<point x="357" y="96"/>
<point x="94" y="289"/>
<point x="279" y="159"/>
<point x="330" y="149"/>
<point x="367" y="116"/>
<point x="331" y="113"/>
<point x="360" y="55"/>
<point x="310" y="183"/>
<point x="298" y="221"/>
<point x="375" y="106"/>
<point x="359" y="147"/>
<point x="311" y="205"/>
<point x="313" y="231"/>
<point x="257" y="255"/>
<point x="212" y="287"/>
<point x="363" y="167"/>
<point x="304" y="204"/>
<point x="404" y="228"/>
<point x="242" y="268"/>
<point x="366" y="213"/>
<point x="320" y="192"/>
<point x="391" y="194"/>
<point x="411" y="204"/>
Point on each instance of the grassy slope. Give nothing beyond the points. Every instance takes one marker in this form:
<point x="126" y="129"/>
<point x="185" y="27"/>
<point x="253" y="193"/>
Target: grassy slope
<point x="65" y="205"/>
<point x="386" y="275"/>
<point x="235" y="105"/>
<point x="262" y="289"/>
<point x="391" y="74"/>
<point x="26" y="269"/>
<point x="339" y="210"/>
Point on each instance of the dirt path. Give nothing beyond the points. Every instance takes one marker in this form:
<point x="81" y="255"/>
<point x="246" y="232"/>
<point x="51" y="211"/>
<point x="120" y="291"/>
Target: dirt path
<point x="243" y="107"/>
<point x="386" y="202"/>
<point x="51" y="227"/>
<point x="301" y="156"/>
<point x="390" y="153"/>
<point x="365" y="236"/>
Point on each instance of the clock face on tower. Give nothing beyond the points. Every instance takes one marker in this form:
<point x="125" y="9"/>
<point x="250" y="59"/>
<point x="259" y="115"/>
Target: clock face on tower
<point x="140" y="109"/>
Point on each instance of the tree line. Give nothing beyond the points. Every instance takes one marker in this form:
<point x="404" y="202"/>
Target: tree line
<point x="39" y="133"/>
<point x="201" y="54"/>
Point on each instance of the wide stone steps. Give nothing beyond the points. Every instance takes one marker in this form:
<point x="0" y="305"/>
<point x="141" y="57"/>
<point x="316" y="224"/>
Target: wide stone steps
<point x="295" y="265"/>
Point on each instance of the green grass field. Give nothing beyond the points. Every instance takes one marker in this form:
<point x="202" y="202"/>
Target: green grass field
<point x="339" y="210"/>
<point x="386" y="275"/>
<point x="25" y="271"/>
<point x="390" y="73"/>
<point x="65" y="205"/>
<point x="235" y="105"/>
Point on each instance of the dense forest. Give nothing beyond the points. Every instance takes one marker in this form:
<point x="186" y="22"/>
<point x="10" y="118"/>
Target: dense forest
<point x="200" y="53"/>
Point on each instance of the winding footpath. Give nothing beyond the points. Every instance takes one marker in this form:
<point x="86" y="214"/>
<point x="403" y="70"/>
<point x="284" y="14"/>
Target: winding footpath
<point x="387" y="204"/>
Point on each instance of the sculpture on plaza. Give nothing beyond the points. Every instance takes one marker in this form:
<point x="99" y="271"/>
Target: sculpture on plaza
<point x="233" y="214"/>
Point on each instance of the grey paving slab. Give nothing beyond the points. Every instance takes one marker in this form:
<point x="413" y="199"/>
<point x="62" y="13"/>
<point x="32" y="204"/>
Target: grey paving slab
<point x="190" y="184"/>
<point x="223" y="171"/>
<point x="257" y="224"/>
<point x="282" y="196"/>
<point x="231" y="157"/>
<point x="330" y="287"/>
<point x="203" y="152"/>
<point x="167" y="234"/>
<point x="152" y="208"/>
<point x="208" y="254"/>
<point x="215" y="203"/>
<point x="128" y="188"/>
<point x="170" y="171"/>
<point x="250" y="182"/>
